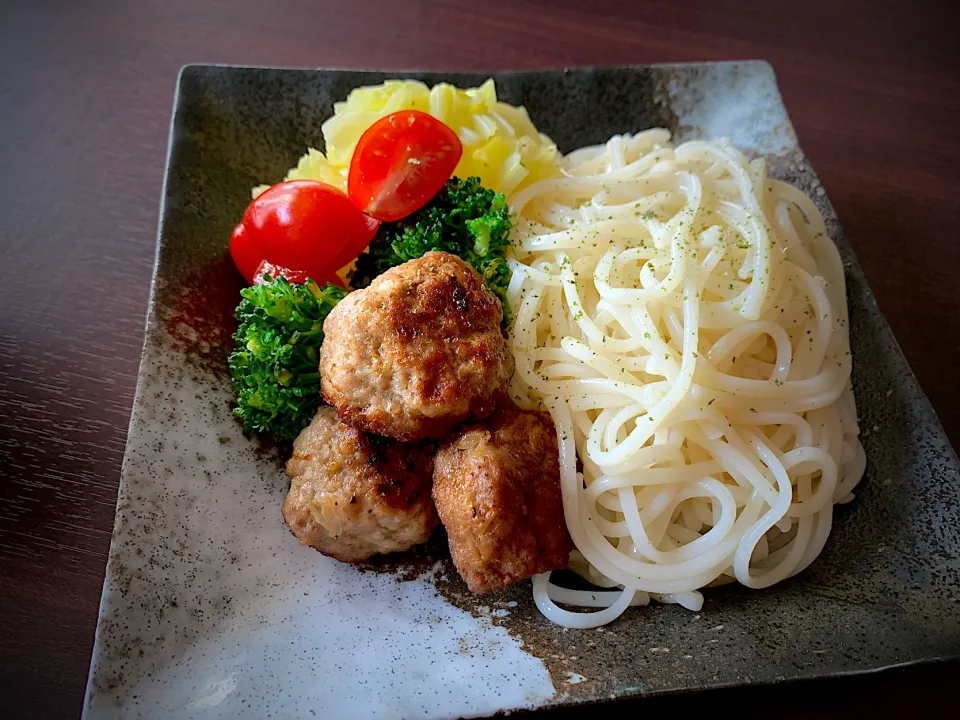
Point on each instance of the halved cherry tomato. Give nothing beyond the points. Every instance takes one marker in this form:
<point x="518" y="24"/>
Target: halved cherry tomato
<point x="298" y="277"/>
<point x="251" y="264"/>
<point x="400" y="163"/>
<point x="306" y="225"/>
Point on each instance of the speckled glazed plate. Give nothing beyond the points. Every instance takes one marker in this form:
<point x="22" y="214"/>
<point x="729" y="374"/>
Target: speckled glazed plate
<point x="212" y="610"/>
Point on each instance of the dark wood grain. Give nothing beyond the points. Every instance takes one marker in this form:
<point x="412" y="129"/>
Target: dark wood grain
<point x="85" y="96"/>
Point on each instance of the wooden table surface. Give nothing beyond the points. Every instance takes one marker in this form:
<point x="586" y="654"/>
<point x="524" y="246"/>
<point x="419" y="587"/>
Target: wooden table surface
<point x="85" y="96"/>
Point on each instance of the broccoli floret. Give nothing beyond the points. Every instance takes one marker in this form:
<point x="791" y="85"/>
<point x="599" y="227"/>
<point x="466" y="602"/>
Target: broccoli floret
<point x="275" y="366"/>
<point x="465" y="219"/>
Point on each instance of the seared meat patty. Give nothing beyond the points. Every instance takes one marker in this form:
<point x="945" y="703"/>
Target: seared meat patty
<point x="416" y="353"/>
<point x="497" y="489"/>
<point x="354" y="495"/>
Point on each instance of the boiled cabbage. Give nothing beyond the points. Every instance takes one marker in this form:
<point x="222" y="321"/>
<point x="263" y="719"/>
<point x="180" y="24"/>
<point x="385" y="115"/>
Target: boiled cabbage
<point x="501" y="146"/>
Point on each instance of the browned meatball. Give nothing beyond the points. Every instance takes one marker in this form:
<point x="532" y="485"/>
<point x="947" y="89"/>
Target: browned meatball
<point x="416" y="353"/>
<point x="497" y="489"/>
<point x="354" y="495"/>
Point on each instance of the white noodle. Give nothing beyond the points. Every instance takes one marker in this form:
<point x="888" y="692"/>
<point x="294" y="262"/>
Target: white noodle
<point x="683" y="318"/>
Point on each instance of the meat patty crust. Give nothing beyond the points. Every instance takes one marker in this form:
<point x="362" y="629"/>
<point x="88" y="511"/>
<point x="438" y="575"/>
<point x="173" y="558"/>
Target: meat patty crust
<point x="416" y="353"/>
<point x="354" y="495"/>
<point x="496" y="485"/>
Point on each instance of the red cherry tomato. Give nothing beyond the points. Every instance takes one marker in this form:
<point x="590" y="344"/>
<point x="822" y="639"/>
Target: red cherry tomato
<point x="245" y="254"/>
<point x="305" y="224"/>
<point x="400" y="163"/>
<point x="251" y="264"/>
<point x="297" y="277"/>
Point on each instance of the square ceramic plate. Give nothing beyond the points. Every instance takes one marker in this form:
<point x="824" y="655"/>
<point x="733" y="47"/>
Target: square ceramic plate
<point x="210" y="607"/>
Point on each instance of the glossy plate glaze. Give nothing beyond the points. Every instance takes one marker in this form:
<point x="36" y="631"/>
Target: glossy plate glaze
<point x="212" y="610"/>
